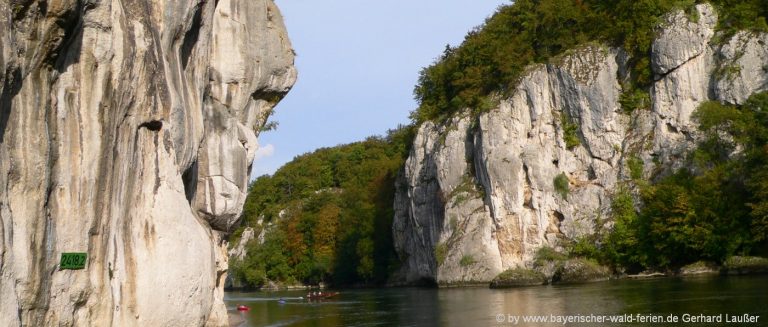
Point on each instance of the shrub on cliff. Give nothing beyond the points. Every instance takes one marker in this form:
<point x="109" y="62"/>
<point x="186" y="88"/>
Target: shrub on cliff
<point x="561" y="185"/>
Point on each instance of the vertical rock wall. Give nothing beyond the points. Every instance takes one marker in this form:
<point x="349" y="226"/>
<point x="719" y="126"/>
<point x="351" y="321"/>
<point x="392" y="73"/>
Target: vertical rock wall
<point x="477" y="195"/>
<point x="127" y="130"/>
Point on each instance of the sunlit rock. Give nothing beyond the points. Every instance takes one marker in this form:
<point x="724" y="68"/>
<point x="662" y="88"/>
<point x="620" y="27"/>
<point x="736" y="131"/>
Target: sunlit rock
<point x="477" y="195"/>
<point x="127" y="130"/>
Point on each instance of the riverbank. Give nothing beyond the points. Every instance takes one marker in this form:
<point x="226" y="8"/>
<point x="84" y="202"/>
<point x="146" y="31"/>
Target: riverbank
<point x="573" y="271"/>
<point x="479" y="306"/>
<point x="559" y="271"/>
<point x="272" y="287"/>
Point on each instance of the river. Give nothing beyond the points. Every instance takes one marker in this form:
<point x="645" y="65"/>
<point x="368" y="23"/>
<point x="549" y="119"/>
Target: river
<point x="638" y="302"/>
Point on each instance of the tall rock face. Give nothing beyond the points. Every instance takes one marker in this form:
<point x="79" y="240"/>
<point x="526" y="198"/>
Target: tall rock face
<point x="127" y="130"/>
<point x="477" y="195"/>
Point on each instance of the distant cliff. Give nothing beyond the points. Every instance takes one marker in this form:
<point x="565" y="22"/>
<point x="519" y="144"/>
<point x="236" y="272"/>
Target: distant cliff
<point x="481" y="194"/>
<point x="127" y="130"/>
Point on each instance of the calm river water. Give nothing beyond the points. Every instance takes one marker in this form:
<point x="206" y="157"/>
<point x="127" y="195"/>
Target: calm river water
<point x="653" y="301"/>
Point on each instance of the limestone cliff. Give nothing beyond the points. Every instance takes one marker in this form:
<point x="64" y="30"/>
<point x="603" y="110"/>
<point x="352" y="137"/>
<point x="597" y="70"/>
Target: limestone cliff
<point x="127" y="130"/>
<point x="477" y="195"/>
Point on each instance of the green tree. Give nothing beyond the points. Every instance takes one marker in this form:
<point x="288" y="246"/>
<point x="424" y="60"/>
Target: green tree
<point x="623" y="245"/>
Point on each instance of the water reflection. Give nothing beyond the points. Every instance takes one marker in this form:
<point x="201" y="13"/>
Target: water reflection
<point x="482" y="306"/>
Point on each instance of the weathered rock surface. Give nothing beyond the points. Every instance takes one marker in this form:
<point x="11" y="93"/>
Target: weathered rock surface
<point x="483" y="188"/>
<point x="682" y="38"/>
<point x="580" y="271"/>
<point x="238" y="251"/>
<point x="518" y="277"/>
<point x="127" y="130"/>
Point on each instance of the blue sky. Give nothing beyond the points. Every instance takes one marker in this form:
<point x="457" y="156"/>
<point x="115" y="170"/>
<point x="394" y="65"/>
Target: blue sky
<point x="358" y="62"/>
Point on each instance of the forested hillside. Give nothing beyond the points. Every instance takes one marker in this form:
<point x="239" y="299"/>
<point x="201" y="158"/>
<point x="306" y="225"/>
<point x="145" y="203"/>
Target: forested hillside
<point x="327" y="214"/>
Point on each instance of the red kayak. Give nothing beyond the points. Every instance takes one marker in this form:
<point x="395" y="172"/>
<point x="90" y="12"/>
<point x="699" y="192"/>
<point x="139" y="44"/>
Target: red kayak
<point x="242" y="308"/>
<point x="321" y="295"/>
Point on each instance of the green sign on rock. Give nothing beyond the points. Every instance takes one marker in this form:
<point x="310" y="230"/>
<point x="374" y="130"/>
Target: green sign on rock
<point x="73" y="260"/>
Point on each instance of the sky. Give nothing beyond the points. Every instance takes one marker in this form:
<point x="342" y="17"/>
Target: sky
<point x="358" y="62"/>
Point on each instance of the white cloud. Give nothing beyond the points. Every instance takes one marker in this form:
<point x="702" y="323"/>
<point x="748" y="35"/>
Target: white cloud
<point x="265" y="151"/>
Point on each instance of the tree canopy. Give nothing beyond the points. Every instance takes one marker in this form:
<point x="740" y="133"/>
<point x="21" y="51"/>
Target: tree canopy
<point x="493" y="56"/>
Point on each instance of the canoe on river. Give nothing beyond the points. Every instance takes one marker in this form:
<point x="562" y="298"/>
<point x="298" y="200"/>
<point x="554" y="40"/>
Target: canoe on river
<point x="321" y="295"/>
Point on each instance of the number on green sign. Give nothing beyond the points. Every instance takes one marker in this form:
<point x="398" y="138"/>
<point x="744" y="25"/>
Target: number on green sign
<point x="73" y="260"/>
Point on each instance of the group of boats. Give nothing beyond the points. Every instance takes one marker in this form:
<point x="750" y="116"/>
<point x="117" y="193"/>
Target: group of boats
<point x="320" y="295"/>
<point x="311" y="296"/>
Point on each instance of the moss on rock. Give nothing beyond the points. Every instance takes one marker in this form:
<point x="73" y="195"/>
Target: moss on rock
<point x="699" y="268"/>
<point x="581" y="270"/>
<point x="737" y="265"/>
<point x="518" y="277"/>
